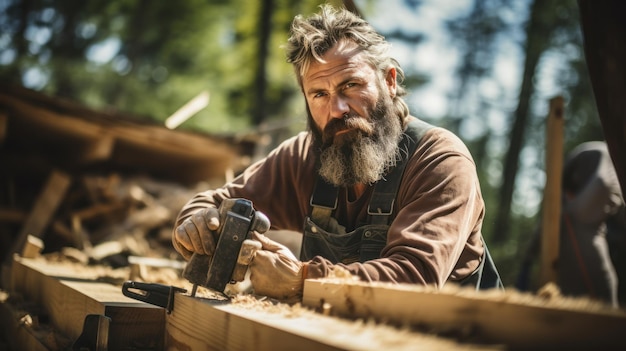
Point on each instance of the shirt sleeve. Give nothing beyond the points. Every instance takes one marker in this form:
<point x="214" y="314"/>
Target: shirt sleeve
<point x="278" y="185"/>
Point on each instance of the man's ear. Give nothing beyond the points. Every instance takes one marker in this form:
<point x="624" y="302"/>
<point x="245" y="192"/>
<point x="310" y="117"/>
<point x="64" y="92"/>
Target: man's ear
<point x="390" y="81"/>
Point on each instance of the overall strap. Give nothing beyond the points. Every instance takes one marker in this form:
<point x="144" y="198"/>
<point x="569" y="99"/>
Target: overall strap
<point x="324" y="198"/>
<point x="386" y="189"/>
<point x="323" y="202"/>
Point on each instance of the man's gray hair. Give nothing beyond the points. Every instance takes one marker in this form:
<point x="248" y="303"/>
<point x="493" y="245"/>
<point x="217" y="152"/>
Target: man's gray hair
<point x="312" y="37"/>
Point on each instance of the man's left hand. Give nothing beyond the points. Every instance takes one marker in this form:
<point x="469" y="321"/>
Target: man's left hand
<point x="275" y="271"/>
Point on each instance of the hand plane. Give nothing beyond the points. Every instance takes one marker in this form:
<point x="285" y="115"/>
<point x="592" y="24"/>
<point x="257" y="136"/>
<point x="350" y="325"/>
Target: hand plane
<point x="233" y="251"/>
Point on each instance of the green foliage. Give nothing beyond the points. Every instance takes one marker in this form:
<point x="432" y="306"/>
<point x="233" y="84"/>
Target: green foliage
<point x="558" y="47"/>
<point x="162" y="54"/>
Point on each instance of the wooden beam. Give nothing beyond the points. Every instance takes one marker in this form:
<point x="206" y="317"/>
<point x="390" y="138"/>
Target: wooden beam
<point x="17" y="331"/>
<point x="44" y="208"/>
<point x="12" y="215"/>
<point x="551" y="207"/>
<point x="68" y="295"/>
<point x="39" y="217"/>
<point x="515" y="321"/>
<point x="196" y="324"/>
<point x="99" y="209"/>
<point x="187" y="111"/>
<point x="80" y="135"/>
<point x="250" y="324"/>
<point x="33" y="247"/>
<point x="98" y="149"/>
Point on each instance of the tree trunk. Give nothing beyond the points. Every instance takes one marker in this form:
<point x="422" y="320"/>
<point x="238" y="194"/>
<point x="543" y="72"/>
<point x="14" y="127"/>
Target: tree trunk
<point x="604" y="33"/>
<point x="260" y="80"/>
<point x="537" y="34"/>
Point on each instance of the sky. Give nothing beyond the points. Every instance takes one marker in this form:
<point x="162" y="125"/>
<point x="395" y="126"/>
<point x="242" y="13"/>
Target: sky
<point x="436" y="57"/>
<point x="432" y="55"/>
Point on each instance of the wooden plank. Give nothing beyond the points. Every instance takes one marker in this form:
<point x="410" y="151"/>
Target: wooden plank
<point x="19" y="335"/>
<point x="98" y="149"/>
<point x="99" y="209"/>
<point x="202" y="324"/>
<point x="68" y="296"/>
<point x="82" y="135"/>
<point x="10" y="215"/>
<point x="245" y="323"/>
<point x="551" y="207"/>
<point x="187" y="111"/>
<point x="43" y="210"/>
<point x="33" y="247"/>
<point x="515" y="320"/>
<point x="39" y="217"/>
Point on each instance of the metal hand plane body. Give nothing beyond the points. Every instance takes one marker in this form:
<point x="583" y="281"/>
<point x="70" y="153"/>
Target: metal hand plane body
<point x="233" y="251"/>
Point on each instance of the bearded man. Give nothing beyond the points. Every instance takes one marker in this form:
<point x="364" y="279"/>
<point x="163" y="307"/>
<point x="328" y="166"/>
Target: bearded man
<point x="374" y="190"/>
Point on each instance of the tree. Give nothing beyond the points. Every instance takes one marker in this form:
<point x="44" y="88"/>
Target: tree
<point x="537" y="32"/>
<point x="150" y="58"/>
<point x="604" y="34"/>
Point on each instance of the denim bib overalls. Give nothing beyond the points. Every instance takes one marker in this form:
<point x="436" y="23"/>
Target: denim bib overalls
<point x="323" y="236"/>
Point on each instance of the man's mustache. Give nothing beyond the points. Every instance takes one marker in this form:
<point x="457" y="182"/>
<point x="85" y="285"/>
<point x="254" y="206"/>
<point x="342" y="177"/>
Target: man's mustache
<point x="337" y="125"/>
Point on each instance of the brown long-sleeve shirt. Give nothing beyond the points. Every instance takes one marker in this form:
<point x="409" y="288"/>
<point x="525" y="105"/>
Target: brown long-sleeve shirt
<point x="436" y="232"/>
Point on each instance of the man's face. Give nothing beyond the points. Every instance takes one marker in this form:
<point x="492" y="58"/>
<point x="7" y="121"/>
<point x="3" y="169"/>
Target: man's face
<point x="352" y="117"/>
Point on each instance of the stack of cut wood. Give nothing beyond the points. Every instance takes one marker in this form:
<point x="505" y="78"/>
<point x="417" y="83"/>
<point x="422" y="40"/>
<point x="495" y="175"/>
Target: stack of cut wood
<point x="106" y="218"/>
<point x="76" y="177"/>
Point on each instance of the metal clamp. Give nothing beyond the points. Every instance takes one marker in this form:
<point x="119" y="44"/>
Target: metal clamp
<point x="95" y="335"/>
<point x="154" y="294"/>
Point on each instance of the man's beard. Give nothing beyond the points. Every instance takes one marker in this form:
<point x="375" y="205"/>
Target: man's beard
<point x="365" y="152"/>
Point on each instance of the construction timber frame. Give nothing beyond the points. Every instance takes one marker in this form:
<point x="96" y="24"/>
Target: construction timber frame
<point x="357" y="316"/>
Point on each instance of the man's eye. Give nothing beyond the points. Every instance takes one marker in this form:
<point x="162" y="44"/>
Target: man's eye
<point x="349" y="85"/>
<point x="320" y="94"/>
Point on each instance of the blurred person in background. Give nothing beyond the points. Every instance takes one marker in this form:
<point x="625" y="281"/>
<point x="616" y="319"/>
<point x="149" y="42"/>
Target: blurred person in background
<point x="593" y="228"/>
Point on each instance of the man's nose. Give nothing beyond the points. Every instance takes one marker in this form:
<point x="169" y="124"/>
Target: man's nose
<point x="338" y="106"/>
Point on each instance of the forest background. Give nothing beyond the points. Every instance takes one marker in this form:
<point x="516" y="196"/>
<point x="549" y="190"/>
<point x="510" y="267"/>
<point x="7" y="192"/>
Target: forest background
<point x="489" y="79"/>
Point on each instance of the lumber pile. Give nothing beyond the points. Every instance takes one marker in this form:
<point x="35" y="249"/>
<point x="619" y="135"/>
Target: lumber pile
<point x="105" y="218"/>
<point x="335" y="314"/>
<point x="77" y="177"/>
<point x="67" y="294"/>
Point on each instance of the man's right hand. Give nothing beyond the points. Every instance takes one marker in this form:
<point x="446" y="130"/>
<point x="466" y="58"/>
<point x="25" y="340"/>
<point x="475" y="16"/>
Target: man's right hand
<point x="198" y="233"/>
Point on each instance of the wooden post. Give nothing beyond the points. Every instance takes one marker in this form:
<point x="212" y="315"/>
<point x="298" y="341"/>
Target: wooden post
<point x="551" y="212"/>
<point x="39" y="217"/>
<point x="43" y="210"/>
